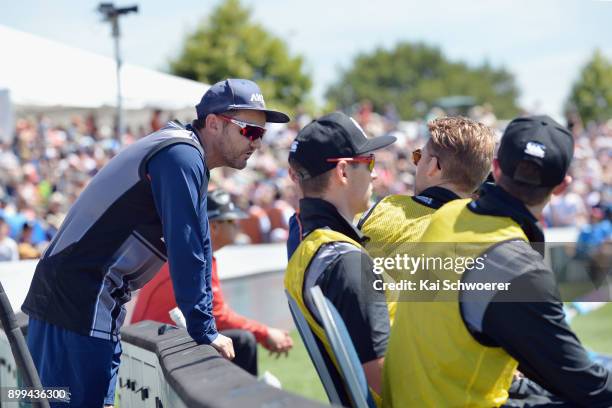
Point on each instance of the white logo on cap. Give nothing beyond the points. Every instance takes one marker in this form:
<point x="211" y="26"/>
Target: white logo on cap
<point x="294" y="146"/>
<point x="257" y="97"/>
<point x="535" y="149"/>
<point x="358" y="127"/>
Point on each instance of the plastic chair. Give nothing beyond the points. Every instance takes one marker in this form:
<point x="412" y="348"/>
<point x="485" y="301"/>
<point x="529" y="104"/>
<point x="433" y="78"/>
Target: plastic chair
<point x="314" y="351"/>
<point x="344" y="351"/>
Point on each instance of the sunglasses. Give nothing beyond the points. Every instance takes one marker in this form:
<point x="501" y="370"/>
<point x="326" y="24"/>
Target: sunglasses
<point x="418" y="154"/>
<point x="248" y="130"/>
<point x="370" y="160"/>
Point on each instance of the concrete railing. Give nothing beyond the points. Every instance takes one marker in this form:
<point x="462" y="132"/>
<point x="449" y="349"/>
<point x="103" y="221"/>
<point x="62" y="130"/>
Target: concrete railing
<point x="167" y="369"/>
<point x="170" y="370"/>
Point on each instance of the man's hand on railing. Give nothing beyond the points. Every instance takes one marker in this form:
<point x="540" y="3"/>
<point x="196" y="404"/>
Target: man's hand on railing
<point x="224" y="346"/>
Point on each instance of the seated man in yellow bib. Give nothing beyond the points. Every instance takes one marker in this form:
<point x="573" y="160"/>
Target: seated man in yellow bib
<point x="333" y="163"/>
<point x="452" y="164"/>
<point x="503" y="310"/>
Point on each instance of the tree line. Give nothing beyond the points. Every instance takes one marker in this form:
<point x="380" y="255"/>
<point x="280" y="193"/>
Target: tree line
<point x="413" y="77"/>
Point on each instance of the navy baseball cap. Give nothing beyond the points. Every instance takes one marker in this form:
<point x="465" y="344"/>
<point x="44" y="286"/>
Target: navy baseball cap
<point x="236" y="94"/>
<point x="539" y="140"/>
<point x="332" y="136"/>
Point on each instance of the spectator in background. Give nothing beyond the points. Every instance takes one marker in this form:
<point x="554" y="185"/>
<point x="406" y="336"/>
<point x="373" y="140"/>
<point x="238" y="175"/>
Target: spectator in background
<point x="568" y="209"/>
<point x="55" y="212"/>
<point x="26" y="249"/>
<point x="54" y="157"/>
<point x="156" y="299"/>
<point x="301" y="119"/>
<point x="156" y="120"/>
<point x="364" y="115"/>
<point x="594" y="243"/>
<point x="8" y="246"/>
<point x="596" y="233"/>
<point x="3" y="205"/>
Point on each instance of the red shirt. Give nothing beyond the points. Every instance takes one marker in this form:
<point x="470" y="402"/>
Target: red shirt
<point x="156" y="299"/>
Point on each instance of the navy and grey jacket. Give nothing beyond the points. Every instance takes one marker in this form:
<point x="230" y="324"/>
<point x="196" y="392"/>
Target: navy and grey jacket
<point x="145" y="207"/>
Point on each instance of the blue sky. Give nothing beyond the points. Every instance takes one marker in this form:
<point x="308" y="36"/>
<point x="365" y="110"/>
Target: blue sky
<point x="543" y="42"/>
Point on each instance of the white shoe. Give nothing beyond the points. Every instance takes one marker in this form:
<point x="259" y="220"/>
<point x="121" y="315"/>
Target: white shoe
<point x="271" y="380"/>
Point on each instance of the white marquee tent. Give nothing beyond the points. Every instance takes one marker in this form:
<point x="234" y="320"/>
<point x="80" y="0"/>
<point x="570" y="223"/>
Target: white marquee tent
<point x="40" y="72"/>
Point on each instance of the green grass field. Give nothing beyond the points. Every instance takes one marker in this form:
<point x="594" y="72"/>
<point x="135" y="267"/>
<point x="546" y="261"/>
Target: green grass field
<point x="296" y="372"/>
<point x="298" y="375"/>
<point x="594" y="329"/>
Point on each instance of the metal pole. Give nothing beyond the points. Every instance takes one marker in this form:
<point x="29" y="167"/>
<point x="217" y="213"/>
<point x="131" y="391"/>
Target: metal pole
<point x="112" y="14"/>
<point x="19" y="348"/>
<point x="116" y="36"/>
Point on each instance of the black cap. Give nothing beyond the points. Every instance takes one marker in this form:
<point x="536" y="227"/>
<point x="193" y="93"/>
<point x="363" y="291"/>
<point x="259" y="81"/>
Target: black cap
<point x="540" y="140"/>
<point x="220" y="207"/>
<point x="236" y="94"/>
<point x="332" y="136"/>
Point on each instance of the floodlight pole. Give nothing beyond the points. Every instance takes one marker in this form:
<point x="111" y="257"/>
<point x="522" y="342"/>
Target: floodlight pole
<point x="116" y="36"/>
<point x="112" y="14"/>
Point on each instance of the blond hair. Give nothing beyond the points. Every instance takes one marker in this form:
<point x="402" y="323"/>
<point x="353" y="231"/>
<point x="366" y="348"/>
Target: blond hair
<point x="465" y="150"/>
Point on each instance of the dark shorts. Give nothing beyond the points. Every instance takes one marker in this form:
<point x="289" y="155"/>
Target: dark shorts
<point x="88" y="366"/>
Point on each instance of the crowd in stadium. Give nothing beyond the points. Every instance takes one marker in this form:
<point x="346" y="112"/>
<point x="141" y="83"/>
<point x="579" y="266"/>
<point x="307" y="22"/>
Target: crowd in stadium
<point x="48" y="164"/>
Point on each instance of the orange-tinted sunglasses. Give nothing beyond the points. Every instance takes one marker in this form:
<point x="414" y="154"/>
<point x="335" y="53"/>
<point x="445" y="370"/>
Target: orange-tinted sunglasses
<point x="369" y="159"/>
<point x="418" y="153"/>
